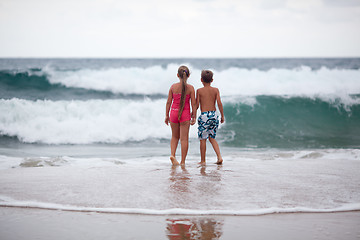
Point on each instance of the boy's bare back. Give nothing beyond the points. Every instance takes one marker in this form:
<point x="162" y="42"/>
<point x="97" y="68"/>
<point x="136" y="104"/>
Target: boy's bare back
<point x="207" y="98"/>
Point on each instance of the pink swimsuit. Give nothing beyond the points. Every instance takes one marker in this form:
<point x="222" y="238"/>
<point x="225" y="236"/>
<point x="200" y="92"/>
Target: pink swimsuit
<point x="185" y="116"/>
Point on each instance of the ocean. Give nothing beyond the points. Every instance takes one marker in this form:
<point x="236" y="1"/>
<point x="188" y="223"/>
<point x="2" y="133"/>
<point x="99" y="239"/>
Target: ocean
<point x="89" y="135"/>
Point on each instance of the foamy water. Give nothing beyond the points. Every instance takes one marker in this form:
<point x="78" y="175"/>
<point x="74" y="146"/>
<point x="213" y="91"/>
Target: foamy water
<point x="122" y="120"/>
<point x="233" y="81"/>
<point x="249" y="183"/>
<point x="81" y="122"/>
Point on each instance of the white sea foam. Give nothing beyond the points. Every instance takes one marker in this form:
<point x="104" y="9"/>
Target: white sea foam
<point x="249" y="183"/>
<point x="106" y="121"/>
<point x="233" y="81"/>
<point x="133" y="80"/>
<point x="8" y="202"/>
<point x="135" y="157"/>
<point x="82" y="122"/>
<point x="298" y="82"/>
<point x="9" y="162"/>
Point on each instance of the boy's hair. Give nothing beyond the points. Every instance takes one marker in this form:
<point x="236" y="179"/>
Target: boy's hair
<point x="206" y="76"/>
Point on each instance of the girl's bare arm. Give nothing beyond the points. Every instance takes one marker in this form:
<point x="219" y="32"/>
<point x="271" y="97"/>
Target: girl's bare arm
<point x="168" y="105"/>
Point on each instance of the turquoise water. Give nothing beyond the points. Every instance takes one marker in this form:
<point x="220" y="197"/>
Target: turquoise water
<point x="268" y="103"/>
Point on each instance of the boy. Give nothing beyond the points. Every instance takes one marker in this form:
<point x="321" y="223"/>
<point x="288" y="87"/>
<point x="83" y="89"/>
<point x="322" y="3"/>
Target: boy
<point x="208" y="120"/>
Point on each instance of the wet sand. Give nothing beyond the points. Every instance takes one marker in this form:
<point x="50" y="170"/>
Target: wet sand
<point x="25" y="223"/>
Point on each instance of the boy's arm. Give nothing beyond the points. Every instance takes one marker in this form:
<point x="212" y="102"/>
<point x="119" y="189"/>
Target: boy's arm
<point x="193" y="106"/>
<point x="168" y="105"/>
<point x="197" y="99"/>
<point x="221" y="109"/>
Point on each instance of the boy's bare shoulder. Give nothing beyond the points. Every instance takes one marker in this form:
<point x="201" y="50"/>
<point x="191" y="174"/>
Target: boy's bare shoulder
<point x="213" y="90"/>
<point x="200" y="89"/>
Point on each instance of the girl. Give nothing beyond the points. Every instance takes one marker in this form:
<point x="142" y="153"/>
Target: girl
<point x="179" y="98"/>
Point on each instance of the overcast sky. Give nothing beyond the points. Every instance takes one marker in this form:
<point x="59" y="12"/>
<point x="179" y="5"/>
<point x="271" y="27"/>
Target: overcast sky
<point x="186" y="28"/>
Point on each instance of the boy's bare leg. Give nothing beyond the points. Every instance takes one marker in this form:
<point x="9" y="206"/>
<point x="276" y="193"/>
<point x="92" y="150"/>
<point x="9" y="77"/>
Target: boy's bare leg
<point x="184" y="140"/>
<point x="216" y="149"/>
<point x="202" y="151"/>
<point x="175" y="129"/>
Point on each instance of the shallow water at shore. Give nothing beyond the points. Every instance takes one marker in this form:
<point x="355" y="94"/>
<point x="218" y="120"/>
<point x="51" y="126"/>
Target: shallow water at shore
<point x="249" y="182"/>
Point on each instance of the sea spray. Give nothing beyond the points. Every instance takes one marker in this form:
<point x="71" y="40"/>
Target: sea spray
<point x="156" y="81"/>
<point x="263" y="121"/>
<point x="83" y="122"/>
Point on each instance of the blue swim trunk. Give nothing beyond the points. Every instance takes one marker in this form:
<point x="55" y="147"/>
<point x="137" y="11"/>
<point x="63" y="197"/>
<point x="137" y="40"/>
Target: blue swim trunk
<point x="208" y="124"/>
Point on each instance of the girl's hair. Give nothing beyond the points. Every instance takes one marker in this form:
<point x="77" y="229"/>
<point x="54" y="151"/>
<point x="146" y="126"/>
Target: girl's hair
<point x="184" y="74"/>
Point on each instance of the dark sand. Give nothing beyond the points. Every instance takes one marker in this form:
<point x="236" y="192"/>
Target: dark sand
<point x="25" y="223"/>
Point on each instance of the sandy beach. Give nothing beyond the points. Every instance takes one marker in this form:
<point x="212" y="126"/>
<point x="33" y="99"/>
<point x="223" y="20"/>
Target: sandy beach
<point x="23" y="223"/>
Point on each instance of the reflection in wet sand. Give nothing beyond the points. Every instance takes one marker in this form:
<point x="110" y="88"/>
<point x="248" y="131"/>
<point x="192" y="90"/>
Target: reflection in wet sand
<point x="197" y="228"/>
<point x="214" y="174"/>
<point x="179" y="179"/>
<point x="188" y="189"/>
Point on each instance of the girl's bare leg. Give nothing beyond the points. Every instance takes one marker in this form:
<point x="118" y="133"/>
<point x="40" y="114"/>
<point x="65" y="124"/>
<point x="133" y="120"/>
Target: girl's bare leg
<point x="175" y="130"/>
<point x="202" y="151"/>
<point x="216" y="149"/>
<point x="184" y="139"/>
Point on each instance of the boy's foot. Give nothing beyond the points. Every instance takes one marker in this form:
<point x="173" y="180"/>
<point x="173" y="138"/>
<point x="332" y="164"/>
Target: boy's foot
<point x="174" y="161"/>
<point x="219" y="161"/>
<point x="202" y="163"/>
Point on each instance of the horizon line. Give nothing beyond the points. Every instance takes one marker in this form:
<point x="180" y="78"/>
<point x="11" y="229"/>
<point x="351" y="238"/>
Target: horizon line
<point x="160" y="57"/>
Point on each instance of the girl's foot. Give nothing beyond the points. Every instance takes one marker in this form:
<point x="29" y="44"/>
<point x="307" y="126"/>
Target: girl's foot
<point x="202" y="163"/>
<point x="174" y="161"/>
<point x="219" y="161"/>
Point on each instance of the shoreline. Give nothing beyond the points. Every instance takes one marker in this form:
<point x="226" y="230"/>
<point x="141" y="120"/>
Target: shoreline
<point x="26" y="223"/>
<point x="181" y="212"/>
